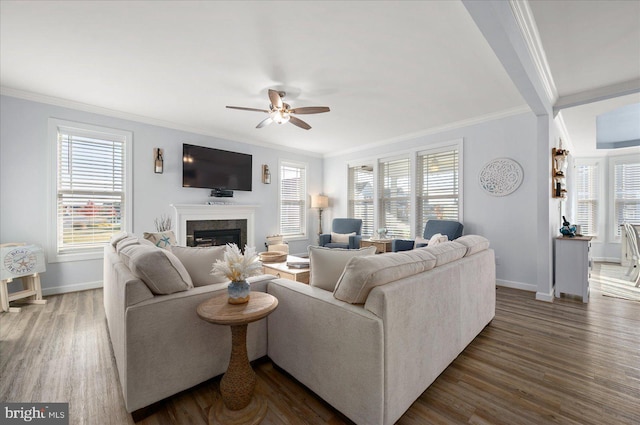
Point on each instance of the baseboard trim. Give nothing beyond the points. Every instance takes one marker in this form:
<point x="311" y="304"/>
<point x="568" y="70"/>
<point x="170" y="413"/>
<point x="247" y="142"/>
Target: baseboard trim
<point x="72" y="288"/>
<point x="517" y="285"/>
<point x="540" y="296"/>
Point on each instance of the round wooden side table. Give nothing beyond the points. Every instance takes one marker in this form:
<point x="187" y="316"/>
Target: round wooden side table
<point x="239" y="405"/>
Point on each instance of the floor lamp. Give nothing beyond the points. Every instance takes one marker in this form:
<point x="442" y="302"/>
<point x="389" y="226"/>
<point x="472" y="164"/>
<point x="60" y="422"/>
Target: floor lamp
<point x="320" y="202"/>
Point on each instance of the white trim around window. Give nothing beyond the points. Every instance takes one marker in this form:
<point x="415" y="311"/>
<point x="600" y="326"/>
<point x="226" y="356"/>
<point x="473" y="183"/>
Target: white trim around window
<point x="292" y="223"/>
<point x="627" y="192"/>
<point x="595" y="177"/>
<point x="60" y="133"/>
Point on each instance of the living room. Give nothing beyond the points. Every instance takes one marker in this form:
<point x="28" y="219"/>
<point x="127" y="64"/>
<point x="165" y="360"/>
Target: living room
<point x="491" y="102"/>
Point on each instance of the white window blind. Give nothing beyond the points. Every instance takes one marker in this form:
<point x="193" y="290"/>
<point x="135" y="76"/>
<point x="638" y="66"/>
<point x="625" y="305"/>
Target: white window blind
<point x="438" y="186"/>
<point x="395" y="197"/>
<point x="90" y="195"/>
<point x="361" y="197"/>
<point x="587" y="195"/>
<point x="626" y="192"/>
<point x="293" y="196"/>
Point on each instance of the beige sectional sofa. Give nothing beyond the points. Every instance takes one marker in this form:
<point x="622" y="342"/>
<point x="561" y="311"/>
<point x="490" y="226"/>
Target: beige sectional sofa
<point x="369" y="344"/>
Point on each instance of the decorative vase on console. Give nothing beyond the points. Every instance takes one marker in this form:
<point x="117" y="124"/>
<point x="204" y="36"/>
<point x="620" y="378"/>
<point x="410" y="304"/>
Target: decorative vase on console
<point x="237" y="268"/>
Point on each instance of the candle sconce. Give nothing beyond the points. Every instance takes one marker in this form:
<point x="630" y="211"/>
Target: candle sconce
<point x="158" y="160"/>
<point x="559" y="162"/>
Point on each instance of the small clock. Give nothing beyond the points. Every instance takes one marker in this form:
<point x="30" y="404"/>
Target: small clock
<point x="22" y="261"/>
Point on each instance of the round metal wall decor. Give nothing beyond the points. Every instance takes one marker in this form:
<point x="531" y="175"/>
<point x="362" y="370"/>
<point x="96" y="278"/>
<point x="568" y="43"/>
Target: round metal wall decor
<point x="501" y="176"/>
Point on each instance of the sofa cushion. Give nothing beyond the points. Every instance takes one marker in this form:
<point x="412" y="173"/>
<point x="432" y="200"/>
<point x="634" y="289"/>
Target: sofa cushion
<point x="117" y="237"/>
<point x="162" y="240"/>
<point x="199" y="262"/>
<point x="341" y="237"/>
<point x="327" y="264"/>
<point x="362" y="274"/>
<point x="474" y="243"/>
<point x="159" y="269"/>
<point x="125" y="242"/>
<point x="447" y="252"/>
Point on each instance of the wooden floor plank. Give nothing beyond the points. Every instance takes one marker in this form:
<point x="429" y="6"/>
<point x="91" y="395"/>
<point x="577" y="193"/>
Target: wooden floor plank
<point x="537" y="363"/>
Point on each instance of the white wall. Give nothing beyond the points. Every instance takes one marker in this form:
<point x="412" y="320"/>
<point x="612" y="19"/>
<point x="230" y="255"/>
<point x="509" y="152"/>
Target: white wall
<point x="508" y="222"/>
<point x="24" y="178"/>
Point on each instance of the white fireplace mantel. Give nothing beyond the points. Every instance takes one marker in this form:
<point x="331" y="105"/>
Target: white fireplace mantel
<point x="191" y="212"/>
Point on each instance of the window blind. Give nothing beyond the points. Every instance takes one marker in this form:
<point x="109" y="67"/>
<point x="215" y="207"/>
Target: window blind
<point x="361" y="197"/>
<point x="293" y="195"/>
<point x="626" y="176"/>
<point x="395" y="197"/>
<point x="90" y="190"/>
<point x="587" y="195"/>
<point x="437" y="186"/>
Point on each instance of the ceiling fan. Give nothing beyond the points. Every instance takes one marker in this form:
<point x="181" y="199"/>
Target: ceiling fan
<point x="281" y="112"/>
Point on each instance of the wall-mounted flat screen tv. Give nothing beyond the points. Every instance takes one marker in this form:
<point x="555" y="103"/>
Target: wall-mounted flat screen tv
<point x="215" y="169"/>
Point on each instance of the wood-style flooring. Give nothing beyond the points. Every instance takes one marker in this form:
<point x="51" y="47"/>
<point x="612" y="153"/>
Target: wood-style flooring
<point x="537" y="363"/>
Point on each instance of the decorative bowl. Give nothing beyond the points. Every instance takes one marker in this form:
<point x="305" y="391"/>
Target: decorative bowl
<point x="273" y="257"/>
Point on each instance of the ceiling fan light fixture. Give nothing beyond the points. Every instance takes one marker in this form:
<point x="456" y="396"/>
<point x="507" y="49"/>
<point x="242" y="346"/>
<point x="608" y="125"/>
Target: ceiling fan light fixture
<point x="280" y="117"/>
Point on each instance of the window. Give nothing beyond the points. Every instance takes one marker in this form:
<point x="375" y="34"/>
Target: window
<point x="626" y="191"/>
<point x="293" y="199"/>
<point x="92" y="200"/>
<point x="395" y="197"/>
<point x="361" y="197"/>
<point x="438" y="185"/>
<point x="587" y="195"/>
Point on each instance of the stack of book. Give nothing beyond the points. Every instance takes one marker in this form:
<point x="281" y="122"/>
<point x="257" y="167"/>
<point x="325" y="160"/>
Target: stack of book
<point x="298" y="264"/>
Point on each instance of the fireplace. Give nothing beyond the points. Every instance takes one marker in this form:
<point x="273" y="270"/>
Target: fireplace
<point x="217" y="220"/>
<point x="216" y="237"/>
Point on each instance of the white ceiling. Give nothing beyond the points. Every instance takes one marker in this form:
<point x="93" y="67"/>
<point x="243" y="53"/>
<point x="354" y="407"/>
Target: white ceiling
<point x="387" y="70"/>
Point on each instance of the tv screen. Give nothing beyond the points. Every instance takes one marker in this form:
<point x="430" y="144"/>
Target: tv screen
<point x="215" y="169"/>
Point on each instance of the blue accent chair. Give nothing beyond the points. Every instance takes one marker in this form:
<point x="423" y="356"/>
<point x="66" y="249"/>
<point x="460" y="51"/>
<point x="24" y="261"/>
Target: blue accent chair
<point x="344" y="226"/>
<point x="451" y="228"/>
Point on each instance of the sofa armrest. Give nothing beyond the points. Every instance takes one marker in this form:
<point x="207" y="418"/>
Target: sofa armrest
<point x="398" y="245"/>
<point x="324" y="239"/>
<point x="312" y="334"/>
<point x="354" y="241"/>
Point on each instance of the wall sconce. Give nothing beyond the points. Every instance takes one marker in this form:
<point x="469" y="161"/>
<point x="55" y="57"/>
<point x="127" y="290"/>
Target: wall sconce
<point x="559" y="162"/>
<point x="158" y="160"/>
<point x="266" y="174"/>
<point x="320" y="202"/>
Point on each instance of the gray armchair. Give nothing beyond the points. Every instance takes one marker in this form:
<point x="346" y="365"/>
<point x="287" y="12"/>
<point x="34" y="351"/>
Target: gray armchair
<point x="451" y="228"/>
<point x="343" y="226"/>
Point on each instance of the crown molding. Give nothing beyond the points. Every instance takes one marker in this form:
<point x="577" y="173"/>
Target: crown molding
<point x="79" y="106"/>
<point x="527" y="24"/>
<point x="435" y="130"/>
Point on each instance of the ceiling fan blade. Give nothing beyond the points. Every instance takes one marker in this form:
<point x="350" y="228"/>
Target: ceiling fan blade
<point x="242" y="108"/>
<point x="275" y="99"/>
<point x="265" y="122"/>
<point x="299" y="123"/>
<point x="310" y="110"/>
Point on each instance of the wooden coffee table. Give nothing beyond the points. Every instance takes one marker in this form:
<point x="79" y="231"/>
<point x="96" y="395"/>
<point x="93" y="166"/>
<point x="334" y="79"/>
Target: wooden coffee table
<point x="281" y="270"/>
<point x="238" y="405"/>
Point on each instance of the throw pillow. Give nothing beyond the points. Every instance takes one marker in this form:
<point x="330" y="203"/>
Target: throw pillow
<point x="117" y="237"/>
<point x="362" y="274"/>
<point x="159" y="269"/>
<point x="341" y="237"/>
<point x="474" y="243"/>
<point x="125" y="242"/>
<point x="162" y="240"/>
<point x="327" y="264"/>
<point x="199" y="261"/>
<point x="438" y="238"/>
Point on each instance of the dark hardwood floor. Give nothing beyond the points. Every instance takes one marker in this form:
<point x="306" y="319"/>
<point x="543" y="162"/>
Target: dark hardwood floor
<point x="537" y="363"/>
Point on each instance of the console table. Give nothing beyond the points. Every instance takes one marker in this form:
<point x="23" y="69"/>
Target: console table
<point x="239" y="405"/>
<point x="382" y="245"/>
<point x="282" y="270"/>
<point x="573" y="266"/>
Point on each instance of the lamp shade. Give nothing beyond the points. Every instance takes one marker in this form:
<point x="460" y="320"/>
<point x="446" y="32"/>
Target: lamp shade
<point x="319" y="201"/>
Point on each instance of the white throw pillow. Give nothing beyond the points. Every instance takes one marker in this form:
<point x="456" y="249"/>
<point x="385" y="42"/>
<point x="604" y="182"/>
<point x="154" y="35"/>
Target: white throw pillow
<point x="420" y="242"/>
<point x="438" y="238"/>
<point x="199" y="261"/>
<point x="162" y="240"/>
<point x="341" y="237"/>
<point x="327" y="264"/>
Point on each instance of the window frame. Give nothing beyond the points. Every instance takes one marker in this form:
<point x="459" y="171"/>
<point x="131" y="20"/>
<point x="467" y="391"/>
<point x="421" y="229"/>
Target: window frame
<point x="411" y="158"/>
<point x="374" y="199"/>
<point x="599" y="191"/>
<point x="54" y="127"/>
<point x="305" y="215"/>
<point x="613" y="161"/>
